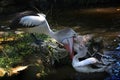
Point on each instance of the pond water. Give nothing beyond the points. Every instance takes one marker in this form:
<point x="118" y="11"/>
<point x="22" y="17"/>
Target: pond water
<point x="102" y="22"/>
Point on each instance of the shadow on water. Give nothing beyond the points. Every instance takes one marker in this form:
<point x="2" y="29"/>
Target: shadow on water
<point x="102" y="22"/>
<point x="62" y="73"/>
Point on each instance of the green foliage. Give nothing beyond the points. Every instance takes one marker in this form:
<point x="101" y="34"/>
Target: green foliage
<point x="6" y="62"/>
<point x="14" y="51"/>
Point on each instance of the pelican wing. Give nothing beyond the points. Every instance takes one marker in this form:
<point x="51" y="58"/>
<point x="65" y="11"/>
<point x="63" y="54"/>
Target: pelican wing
<point x="32" y="20"/>
<point x="27" y="19"/>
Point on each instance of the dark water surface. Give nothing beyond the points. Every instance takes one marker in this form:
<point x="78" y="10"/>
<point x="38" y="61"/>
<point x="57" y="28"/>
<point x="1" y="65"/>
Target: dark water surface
<point x="102" y="22"/>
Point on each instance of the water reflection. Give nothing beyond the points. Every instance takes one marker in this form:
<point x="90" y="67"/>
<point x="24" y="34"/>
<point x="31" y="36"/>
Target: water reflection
<point x="102" y="10"/>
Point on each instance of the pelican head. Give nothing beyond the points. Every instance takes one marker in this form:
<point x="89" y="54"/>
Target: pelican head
<point x="80" y="43"/>
<point x="77" y="44"/>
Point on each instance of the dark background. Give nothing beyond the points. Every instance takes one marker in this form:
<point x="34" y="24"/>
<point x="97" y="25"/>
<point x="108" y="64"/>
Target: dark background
<point x="11" y="6"/>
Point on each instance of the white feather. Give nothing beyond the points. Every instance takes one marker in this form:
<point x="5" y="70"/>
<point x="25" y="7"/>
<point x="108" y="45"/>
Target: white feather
<point x="84" y="65"/>
<point x="32" y="20"/>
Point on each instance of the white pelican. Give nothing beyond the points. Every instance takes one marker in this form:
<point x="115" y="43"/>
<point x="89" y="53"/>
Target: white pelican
<point x="32" y="22"/>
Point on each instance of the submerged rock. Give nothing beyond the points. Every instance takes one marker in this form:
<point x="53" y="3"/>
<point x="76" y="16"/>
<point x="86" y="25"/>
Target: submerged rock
<point x="113" y="62"/>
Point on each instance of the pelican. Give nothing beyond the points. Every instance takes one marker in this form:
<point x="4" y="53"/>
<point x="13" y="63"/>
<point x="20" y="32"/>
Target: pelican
<point x="85" y="65"/>
<point x="32" y="22"/>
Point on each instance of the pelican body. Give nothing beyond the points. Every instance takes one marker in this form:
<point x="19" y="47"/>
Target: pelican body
<point x="32" y="22"/>
<point x="84" y="66"/>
